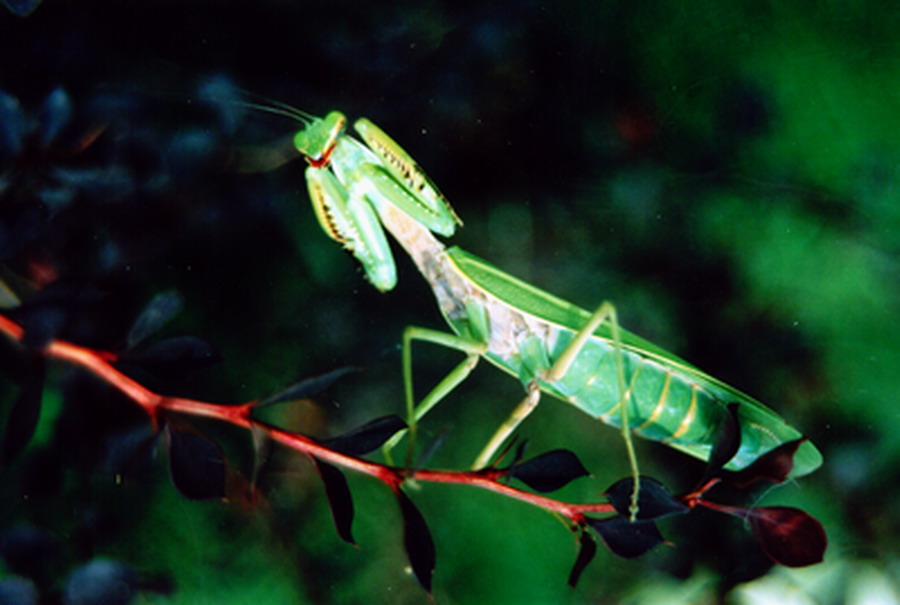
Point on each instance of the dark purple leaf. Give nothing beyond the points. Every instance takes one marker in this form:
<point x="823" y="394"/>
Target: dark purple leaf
<point x="339" y="499"/>
<point x="727" y="444"/>
<point x="367" y="438"/>
<point x="26" y="411"/>
<point x="654" y="499"/>
<point x="129" y="452"/>
<point x="197" y="464"/>
<point x="417" y="540"/>
<point x="550" y="471"/>
<point x="308" y="387"/>
<point x="625" y="539"/>
<point x="773" y="466"/>
<point x="585" y="556"/>
<point x="788" y="535"/>
<point x="155" y="315"/>
<point x="174" y="357"/>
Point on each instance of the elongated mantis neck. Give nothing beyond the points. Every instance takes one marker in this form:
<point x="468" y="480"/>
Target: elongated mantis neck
<point x="421" y="245"/>
<point x="431" y="258"/>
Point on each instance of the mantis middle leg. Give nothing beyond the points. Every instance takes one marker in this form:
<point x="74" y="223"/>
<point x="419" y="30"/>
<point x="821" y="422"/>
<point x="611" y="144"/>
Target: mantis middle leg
<point x="414" y="413"/>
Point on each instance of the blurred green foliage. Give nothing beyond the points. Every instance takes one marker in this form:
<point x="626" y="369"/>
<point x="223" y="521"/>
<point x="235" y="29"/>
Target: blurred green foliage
<point x="725" y="173"/>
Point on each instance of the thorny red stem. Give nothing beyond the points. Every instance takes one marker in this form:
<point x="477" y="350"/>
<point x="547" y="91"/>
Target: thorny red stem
<point x="100" y="363"/>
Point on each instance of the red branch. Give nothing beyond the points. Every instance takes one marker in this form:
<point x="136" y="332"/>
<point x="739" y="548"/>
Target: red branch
<point x="100" y="363"/>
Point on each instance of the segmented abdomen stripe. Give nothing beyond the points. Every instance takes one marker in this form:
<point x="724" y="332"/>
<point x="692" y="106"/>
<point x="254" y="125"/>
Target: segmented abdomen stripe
<point x="660" y="404"/>
<point x="688" y="418"/>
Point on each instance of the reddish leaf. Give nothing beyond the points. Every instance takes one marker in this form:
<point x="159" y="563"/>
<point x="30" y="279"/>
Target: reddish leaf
<point x="654" y="499"/>
<point x="339" y="499"/>
<point x="788" y="535"/>
<point x="550" y="471"/>
<point x="197" y="464"/>
<point x="585" y="556"/>
<point x="367" y="438"/>
<point x="417" y="540"/>
<point x="625" y="539"/>
<point x="772" y="466"/>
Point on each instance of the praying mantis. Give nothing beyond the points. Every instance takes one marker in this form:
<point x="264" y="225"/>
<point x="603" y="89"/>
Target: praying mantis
<point x="362" y="187"/>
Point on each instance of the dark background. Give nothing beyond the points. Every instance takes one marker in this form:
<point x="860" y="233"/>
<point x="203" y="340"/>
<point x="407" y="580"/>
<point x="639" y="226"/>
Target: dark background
<point x="726" y="175"/>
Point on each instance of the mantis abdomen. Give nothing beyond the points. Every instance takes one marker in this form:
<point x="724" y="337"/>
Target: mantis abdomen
<point x="669" y="400"/>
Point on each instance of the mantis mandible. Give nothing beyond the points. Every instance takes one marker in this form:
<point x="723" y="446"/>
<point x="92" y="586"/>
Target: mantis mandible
<point x="360" y="188"/>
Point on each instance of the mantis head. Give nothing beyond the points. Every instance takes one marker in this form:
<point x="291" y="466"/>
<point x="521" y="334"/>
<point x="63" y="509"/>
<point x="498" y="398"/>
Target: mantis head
<point x="318" y="139"/>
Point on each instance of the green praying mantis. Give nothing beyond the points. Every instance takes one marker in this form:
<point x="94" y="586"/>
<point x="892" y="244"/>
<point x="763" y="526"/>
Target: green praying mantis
<point x="361" y="188"/>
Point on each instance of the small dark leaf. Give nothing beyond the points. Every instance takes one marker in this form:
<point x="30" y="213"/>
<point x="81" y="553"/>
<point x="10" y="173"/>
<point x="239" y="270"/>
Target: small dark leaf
<point x="174" y="357"/>
<point x="26" y="411"/>
<point x="788" y="535"/>
<point x="550" y="471"/>
<point x="727" y="445"/>
<point x="367" y="438"/>
<point x="773" y="466"/>
<point x="417" y="540"/>
<point x="197" y="464"/>
<point x="625" y="539"/>
<point x="129" y="452"/>
<point x="585" y="556"/>
<point x="654" y="499"/>
<point x="339" y="499"/>
<point x="308" y="387"/>
<point x="155" y="315"/>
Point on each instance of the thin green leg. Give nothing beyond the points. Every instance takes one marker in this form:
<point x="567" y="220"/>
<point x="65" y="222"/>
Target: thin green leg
<point x="414" y="413"/>
<point x="525" y="407"/>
